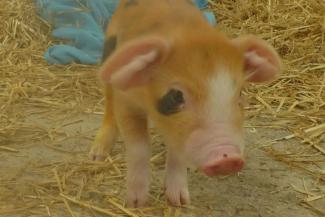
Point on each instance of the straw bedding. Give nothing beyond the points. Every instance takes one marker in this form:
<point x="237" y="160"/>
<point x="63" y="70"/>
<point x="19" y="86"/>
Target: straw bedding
<point x="36" y="100"/>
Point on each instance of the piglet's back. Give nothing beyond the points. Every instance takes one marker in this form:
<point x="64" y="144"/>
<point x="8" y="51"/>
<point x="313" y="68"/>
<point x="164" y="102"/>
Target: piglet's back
<point x="136" y="18"/>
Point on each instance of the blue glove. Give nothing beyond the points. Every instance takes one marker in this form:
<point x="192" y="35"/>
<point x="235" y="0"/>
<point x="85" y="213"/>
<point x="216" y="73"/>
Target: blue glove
<point x="81" y="24"/>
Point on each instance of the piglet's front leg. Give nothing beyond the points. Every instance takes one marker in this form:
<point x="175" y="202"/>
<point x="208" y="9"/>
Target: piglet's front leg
<point x="176" y="179"/>
<point x="138" y="173"/>
<point x="133" y="130"/>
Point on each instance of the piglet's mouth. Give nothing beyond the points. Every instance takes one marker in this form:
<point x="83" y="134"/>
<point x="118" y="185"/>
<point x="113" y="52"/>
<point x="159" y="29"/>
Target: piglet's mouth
<point x="225" y="160"/>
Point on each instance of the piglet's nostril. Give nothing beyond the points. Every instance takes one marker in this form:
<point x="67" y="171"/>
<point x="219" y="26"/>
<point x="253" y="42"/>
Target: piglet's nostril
<point x="225" y="155"/>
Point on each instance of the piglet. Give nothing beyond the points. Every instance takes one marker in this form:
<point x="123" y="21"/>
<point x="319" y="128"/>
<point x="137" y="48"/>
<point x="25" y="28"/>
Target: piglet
<point x="165" y="63"/>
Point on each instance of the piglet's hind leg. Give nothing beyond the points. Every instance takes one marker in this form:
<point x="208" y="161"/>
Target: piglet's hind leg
<point x="106" y="136"/>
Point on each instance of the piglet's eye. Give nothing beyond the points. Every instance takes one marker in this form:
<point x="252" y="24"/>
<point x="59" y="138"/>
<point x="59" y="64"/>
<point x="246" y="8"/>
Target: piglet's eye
<point x="171" y="102"/>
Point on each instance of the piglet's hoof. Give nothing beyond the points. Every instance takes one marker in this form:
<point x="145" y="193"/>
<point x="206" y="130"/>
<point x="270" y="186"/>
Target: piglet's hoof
<point x="178" y="197"/>
<point x="97" y="154"/>
<point x="137" y="193"/>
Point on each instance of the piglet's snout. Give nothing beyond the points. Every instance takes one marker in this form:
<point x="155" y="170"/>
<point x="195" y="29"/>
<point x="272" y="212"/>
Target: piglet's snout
<point x="226" y="159"/>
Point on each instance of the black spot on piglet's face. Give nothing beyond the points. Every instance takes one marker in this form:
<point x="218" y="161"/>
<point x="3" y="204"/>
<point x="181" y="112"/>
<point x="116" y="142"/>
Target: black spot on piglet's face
<point x="171" y="102"/>
<point x="109" y="47"/>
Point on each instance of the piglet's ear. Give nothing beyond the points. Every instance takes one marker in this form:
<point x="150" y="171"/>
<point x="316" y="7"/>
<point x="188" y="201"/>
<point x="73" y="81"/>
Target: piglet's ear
<point x="262" y="63"/>
<point x="130" y="65"/>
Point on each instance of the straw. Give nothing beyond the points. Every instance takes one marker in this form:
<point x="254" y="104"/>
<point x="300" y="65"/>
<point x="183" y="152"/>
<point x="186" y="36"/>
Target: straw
<point x="41" y="104"/>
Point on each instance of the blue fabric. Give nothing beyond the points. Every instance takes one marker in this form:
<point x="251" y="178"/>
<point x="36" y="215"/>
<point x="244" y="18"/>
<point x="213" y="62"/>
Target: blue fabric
<point x="201" y="3"/>
<point x="80" y="24"/>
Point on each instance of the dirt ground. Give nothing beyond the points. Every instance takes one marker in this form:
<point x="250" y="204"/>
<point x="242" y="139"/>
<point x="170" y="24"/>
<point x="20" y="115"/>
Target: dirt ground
<point x="49" y="116"/>
<point x="265" y="187"/>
